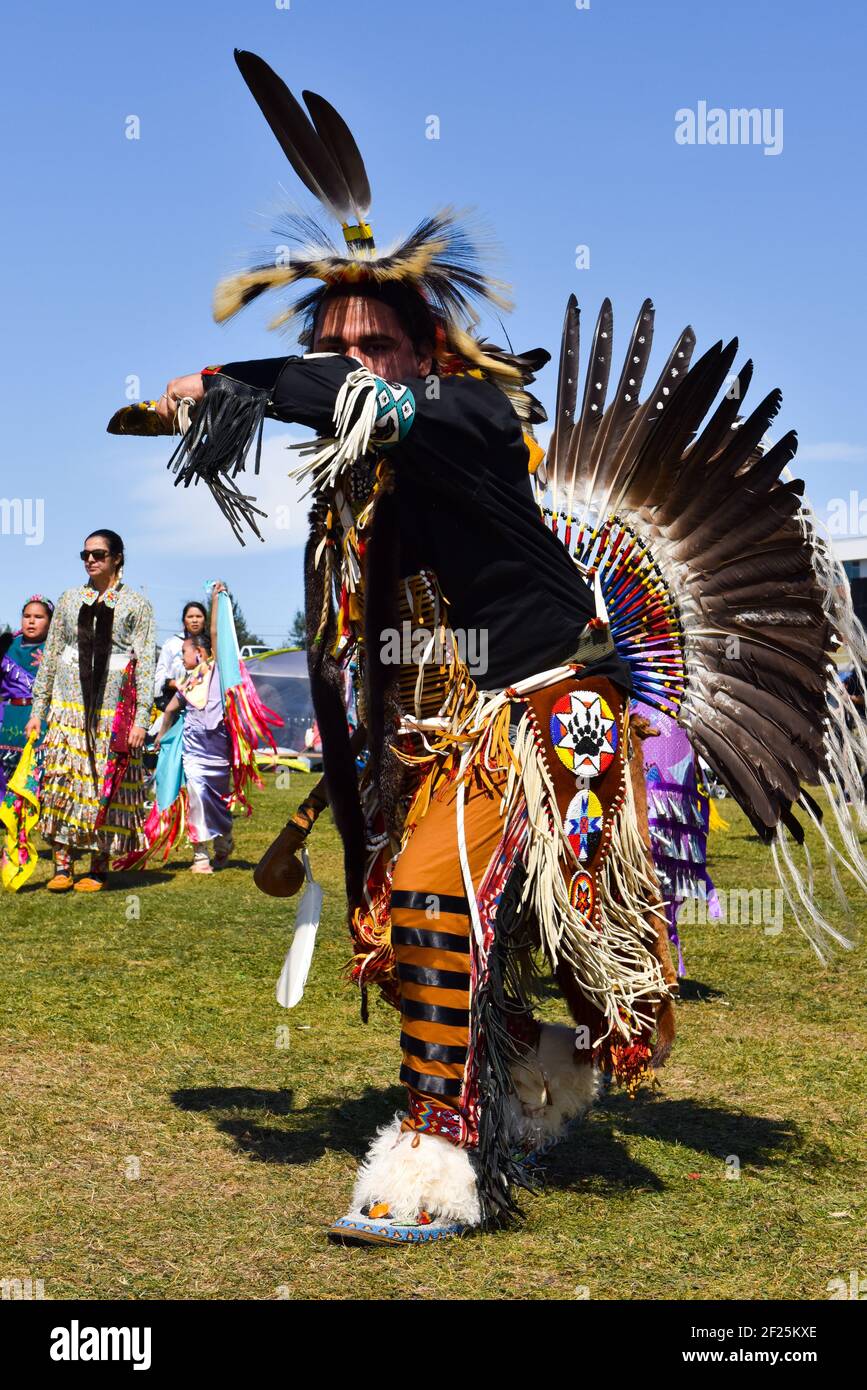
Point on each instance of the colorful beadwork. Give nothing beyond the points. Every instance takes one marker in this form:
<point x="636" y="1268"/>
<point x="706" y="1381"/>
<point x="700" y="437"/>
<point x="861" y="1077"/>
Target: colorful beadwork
<point x="427" y="1117"/>
<point x="583" y="824"/>
<point x="582" y="893"/>
<point x="642" y="612"/>
<point x="357" y="1228"/>
<point x="584" y="733"/>
<point x="89" y="595"/>
<point x="395" y="412"/>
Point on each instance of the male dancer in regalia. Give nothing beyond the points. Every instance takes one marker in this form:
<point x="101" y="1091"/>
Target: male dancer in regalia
<point x="500" y="823"/>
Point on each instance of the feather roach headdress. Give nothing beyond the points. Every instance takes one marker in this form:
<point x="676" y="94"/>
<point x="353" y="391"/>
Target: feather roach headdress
<point x="433" y="278"/>
<point x="439" y="260"/>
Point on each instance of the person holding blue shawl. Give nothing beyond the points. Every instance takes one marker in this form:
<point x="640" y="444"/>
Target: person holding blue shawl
<point x="206" y="747"/>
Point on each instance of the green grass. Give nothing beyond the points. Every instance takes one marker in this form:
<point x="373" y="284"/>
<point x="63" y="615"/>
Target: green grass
<point x="140" y="1035"/>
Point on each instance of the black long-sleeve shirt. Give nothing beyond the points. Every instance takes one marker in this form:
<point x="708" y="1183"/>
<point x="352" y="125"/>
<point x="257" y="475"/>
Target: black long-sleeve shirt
<point x="466" y="511"/>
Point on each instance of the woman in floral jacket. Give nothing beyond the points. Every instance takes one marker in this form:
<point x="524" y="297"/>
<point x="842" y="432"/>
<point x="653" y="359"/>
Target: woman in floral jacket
<point x="94" y="687"/>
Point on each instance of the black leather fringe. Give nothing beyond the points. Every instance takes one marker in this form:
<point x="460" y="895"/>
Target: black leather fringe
<point x="215" y="447"/>
<point x="95" y="625"/>
<point x="498" y="1171"/>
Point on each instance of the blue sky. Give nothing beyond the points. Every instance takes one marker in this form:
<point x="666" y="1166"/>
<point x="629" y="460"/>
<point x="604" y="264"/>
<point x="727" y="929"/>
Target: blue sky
<point x="557" y="123"/>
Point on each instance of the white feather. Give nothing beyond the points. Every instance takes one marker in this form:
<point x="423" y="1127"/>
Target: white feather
<point x="296" y="966"/>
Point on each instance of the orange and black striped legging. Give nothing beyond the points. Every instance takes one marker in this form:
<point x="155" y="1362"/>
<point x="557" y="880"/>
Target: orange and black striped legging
<point x="430" y="933"/>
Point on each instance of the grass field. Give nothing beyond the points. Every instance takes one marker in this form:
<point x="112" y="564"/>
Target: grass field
<point x="168" y="1131"/>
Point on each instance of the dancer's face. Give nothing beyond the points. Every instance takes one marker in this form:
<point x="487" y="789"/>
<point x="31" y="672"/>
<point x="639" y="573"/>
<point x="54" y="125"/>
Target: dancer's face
<point x="370" y="331"/>
<point x="34" y="622"/>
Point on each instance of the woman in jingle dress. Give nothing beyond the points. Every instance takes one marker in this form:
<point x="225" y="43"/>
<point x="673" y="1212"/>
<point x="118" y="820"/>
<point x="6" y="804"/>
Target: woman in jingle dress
<point x="95" y="687"/>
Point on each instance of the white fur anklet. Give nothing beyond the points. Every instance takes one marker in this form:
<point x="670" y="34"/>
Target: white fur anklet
<point x="413" y="1172"/>
<point x="552" y="1086"/>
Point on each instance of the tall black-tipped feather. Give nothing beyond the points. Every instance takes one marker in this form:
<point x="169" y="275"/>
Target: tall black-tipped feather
<point x="340" y="143"/>
<point x="658" y="461"/>
<point x="712" y="438"/>
<point x="715" y="482"/>
<point x="592" y="404"/>
<point x="625" y="402"/>
<point x="770" y="465"/>
<point x="657" y="464"/>
<point x="567" y="391"/>
<point x="295" y="134"/>
<point x="595" y="387"/>
<point x="746" y="438"/>
<point x="672" y="374"/>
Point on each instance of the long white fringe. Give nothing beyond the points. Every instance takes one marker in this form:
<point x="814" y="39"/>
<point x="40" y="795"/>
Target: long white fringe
<point x="845" y="757"/>
<point x="615" y="969"/>
<point x="327" y="458"/>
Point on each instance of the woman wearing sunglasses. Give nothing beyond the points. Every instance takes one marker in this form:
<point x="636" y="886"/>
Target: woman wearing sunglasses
<point x="95" y="688"/>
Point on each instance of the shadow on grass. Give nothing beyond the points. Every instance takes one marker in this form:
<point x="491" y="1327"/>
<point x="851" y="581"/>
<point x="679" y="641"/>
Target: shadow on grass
<point x="146" y="878"/>
<point x="125" y="880"/>
<point x="328" y="1122"/>
<point x="119" y="881"/>
<point x="693" y="991"/>
<point x="595" y="1153"/>
<point x="596" y="1150"/>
